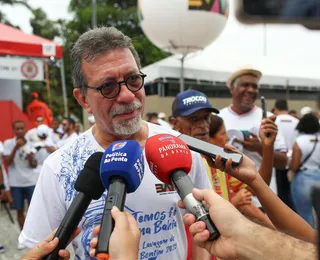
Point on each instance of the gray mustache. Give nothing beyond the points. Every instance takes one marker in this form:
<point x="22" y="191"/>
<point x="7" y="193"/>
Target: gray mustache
<point x="126" y="108"/>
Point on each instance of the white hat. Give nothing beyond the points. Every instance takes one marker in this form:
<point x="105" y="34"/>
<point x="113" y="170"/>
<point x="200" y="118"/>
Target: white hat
<point x="243" y="71"/>
<point x="42" y="131"/>
<point x="305" y="110"/>
<point x="162" y="115"/>
<point x="91" y="119"/>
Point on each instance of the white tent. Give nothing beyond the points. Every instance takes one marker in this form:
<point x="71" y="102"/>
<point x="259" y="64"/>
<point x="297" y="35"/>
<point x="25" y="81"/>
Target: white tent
<point x="286" y="54"/>
<point x="217" y="68"/>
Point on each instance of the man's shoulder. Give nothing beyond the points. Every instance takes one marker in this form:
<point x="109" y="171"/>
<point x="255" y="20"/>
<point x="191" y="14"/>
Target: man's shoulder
<point x="9" y="141"/>
<point x="287" y="118"/>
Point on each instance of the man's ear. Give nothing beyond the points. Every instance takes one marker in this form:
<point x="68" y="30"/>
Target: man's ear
<point x="175" y="123"/>
<point x="231" y="89"/>
<point x="82" y="99"/>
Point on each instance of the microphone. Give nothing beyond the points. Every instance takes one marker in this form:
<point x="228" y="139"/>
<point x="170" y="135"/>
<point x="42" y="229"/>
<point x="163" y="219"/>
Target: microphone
<point x="121" y="172"/>
<point x="170" y="160"/>
<point x="89" y="186"/>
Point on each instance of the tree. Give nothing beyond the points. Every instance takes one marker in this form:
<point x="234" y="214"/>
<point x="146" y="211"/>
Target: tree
<point x="42" y="26"/>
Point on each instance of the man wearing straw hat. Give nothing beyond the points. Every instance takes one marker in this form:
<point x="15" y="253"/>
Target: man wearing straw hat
<point x="245" y="116"/>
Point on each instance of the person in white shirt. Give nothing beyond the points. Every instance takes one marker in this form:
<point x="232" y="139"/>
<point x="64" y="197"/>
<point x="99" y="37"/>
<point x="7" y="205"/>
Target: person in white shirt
<point x="68" y="126"/>
<point x="243" y="115"/>
<point x="31" y="136"/>
<point x="44" y="147"/>
<point x="18" y="155"/>
<point x="306" y="165"/>
<point x="287" y="125"/>
<point x="56" y="134"/>
<point x="108" y="83"/>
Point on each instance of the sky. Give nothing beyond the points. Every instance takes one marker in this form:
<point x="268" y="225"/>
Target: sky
<point x="290" y="41"/>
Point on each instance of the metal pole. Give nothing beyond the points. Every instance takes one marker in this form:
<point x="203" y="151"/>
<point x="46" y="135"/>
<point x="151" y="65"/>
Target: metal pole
<point x="64" y="90"/>
<point x="94" y="14"/>
<point x="264" y="39"/>
<point x="182" y="74"/>
<point x="48" y="83"/>
<point x="287" y="90"/>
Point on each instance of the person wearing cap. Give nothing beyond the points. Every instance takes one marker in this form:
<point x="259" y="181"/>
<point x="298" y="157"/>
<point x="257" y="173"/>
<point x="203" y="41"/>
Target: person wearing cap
<point x="32" y="135"/>
<point x="191" y="111"/>
<point x="305" y="110"/>
<point x="38" y="108"/>
<point x="244" y="115"/>
<point x="44" y="147"/>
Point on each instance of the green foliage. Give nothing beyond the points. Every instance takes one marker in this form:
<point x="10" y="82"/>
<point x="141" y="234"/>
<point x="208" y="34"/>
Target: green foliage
<point x="42" y="26"/>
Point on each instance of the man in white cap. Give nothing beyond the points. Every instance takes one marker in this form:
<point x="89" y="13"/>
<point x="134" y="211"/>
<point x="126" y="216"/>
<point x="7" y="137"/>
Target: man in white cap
<point x="305" y="110"/>
<point x="244" y="115"/>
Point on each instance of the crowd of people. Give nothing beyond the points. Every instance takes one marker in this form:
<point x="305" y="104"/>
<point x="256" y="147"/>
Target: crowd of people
<point x="280" y="156"/>
<point x="24" y="154"/>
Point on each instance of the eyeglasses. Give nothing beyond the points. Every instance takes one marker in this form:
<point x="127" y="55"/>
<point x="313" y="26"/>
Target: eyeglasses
<point x="112" y="89"/>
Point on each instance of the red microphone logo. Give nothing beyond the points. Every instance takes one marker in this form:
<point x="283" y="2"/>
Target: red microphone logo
<point x="165" y="153"/>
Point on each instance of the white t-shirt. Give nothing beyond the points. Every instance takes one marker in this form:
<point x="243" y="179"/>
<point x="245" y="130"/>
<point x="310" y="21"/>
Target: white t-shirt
<point x="67" y="139"/>
<point x="152" y="204"/>
<point x="306" y="144"/>
<point x="287" y="125"/>
<point x="20" y="172"/>
<point x="41" y="152"/>
<point x="251" y="122"/>
<point x="55" y="137"/>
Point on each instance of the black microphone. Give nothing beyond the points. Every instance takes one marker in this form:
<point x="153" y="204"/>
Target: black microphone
<point x="121" y="172"/>
<point x="89" y="187"/>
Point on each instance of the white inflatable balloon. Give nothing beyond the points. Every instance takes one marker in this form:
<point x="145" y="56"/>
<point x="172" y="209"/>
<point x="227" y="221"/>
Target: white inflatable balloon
<point x="182" y="26"/>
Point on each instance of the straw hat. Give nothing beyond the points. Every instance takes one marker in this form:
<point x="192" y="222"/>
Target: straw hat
<point x="243" y="71"/>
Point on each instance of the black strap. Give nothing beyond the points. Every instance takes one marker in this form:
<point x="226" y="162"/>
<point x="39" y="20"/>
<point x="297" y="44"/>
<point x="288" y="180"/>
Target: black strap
<point x="309" y="155"/>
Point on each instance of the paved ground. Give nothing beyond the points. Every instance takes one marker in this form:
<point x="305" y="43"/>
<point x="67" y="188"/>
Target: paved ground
<point x="9" y="234"/>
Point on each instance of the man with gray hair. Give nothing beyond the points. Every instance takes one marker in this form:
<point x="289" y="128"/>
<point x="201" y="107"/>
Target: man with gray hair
<point x="108" y="83"/>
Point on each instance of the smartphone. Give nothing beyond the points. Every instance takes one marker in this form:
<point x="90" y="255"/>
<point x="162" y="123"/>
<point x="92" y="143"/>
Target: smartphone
<point x="245" y="133"/>
<point x="264" y="107"/>
<point x="210" y="150"/>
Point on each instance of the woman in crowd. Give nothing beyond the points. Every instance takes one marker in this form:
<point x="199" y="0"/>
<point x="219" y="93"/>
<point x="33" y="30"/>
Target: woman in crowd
<point x="305" y="165"/>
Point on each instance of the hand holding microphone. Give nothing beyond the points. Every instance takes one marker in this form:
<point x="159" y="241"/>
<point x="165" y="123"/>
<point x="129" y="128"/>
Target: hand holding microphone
<point x="127" y="231"/>
<point x="121" y="172"/>
<point x="89" y="186"/>
<point x="170" y="160"/>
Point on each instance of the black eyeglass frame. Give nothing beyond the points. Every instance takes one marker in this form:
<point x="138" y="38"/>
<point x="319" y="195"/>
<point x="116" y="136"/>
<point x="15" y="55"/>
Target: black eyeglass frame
<point x="119" y="85"/>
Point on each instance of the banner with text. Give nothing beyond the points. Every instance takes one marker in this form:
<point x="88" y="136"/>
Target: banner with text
<point x="21" y="69"/>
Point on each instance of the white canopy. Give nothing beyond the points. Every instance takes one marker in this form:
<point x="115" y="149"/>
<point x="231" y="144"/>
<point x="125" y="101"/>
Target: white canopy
<point x="217" y="68"/>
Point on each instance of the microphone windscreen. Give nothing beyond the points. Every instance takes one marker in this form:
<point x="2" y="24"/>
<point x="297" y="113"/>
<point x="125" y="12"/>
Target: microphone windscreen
<point x="166" y="153"/>
<point x="124" y="159"/>
<point x="88" y="181"/>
